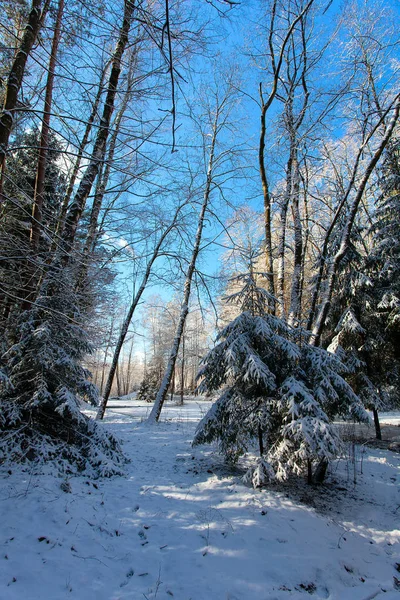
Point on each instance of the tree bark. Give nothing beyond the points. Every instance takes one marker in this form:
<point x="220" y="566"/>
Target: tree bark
<point x="14" y="81"/>
<point x="97" y="157"/>
<point x="320" y="471"/>
<point x="378" y="431"/>
<point x="309" y="472"/>
<point x="182" y="371"/>
<point x="295" y="294"/>
<point x="267" y="208"/>
<point x="38" y="197"/>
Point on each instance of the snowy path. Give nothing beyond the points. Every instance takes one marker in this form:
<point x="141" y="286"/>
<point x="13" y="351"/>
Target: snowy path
<point x="178" y="526"/>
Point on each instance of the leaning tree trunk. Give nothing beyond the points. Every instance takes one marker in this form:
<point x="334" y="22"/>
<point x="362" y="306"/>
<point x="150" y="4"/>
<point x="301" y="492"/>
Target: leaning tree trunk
<point x="14" y="82"/>
<point x="97" y="157"/>
<point x="102" y="182"/>
<point x="162" y="392"/>
<point x="128" y="318"/>
<point x="84" y="142"/>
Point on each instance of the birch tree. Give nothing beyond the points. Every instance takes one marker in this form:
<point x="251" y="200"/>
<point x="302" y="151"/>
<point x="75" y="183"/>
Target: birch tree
<point x="135" y="301"/>
<point x="218" y="115"/>
<point x="373" y="110"/>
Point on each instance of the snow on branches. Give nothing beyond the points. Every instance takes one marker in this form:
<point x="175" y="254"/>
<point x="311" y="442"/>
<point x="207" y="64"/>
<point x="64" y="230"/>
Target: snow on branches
<point x="40" y="398"/>
<point x="275" y="389"/>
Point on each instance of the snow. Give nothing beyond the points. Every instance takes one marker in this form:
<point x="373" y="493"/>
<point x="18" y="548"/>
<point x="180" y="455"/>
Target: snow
<point x="181" y="525"/>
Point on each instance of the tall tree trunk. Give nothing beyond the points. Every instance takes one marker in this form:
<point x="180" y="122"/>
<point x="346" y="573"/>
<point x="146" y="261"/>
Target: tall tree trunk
<point x="304" y="257"/>
<point x="280" y="284"/>
<point x="172" y="386"/>
<point x="182" y="371"/>
<point x="14" y="81"/>
<point x="280" y="278"/>
<point x="267" y="207"/>
<point x="103" y="178"/>
<point x="108" y="346"/>
<point x="38" y="197"/>
<point x="162" y="392"/>
<point x="128" y="369"/>
<point x="97" y="157"/>
<point x="117" y="376"/>
<point x="295" y="294"/>
<point x="276" y="56"/>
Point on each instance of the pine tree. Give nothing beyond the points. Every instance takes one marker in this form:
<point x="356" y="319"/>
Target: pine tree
<point x="20" y="266"/>
<point x="384" y="261"/>
<point x="40" y="414"/>
<point x="275" y="388"/>
<point x="149" y="386"/>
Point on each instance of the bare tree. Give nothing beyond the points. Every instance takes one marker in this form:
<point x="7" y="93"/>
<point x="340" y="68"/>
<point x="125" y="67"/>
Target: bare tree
<point x="81" y="149"/>
<point x="218" y="120"/>
<point x="135" y="301"/>
<point x="278" y="45"/>
<point x="97" y="156"/>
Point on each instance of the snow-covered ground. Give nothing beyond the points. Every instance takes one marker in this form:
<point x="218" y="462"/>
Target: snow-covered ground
<point x="181" y="526"/>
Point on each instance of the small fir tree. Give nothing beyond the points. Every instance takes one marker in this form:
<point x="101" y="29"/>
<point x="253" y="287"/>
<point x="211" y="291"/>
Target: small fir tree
<point x="275" y="389"/>
<point x="149" y="386"/>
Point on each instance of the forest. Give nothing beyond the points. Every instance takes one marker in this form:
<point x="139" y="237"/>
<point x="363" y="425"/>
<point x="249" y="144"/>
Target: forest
<point x="200" y="230"/>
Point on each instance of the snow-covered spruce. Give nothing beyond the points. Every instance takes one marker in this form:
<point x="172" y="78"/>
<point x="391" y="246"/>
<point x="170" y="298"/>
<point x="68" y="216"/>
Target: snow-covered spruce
<point x="40" y="416"/>
<point x="149" y="386"/>
<point x="275" y="389"/>
<point x="358" y="348"/>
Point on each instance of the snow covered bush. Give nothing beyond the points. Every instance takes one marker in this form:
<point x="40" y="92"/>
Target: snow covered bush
<point x="275" y="389"/>
<point x="40" y="415"/>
